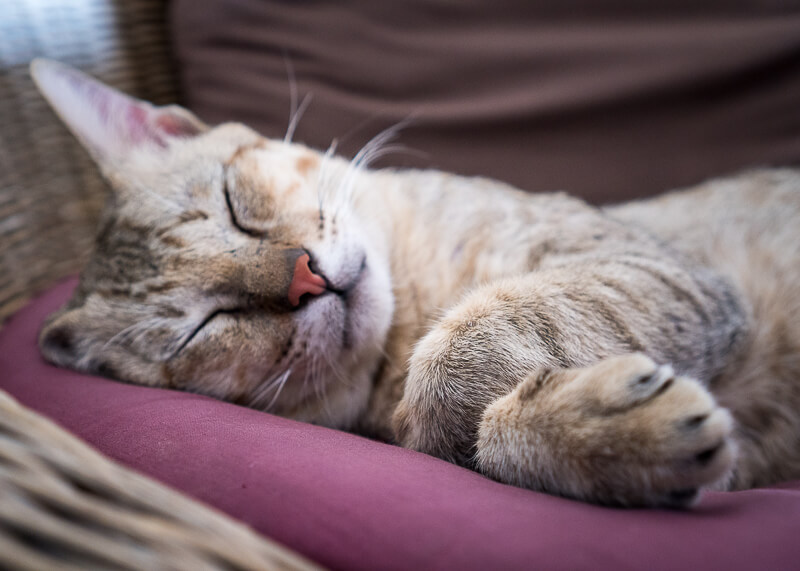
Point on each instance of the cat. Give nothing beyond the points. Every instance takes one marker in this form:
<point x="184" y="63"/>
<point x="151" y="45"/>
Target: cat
<point x="632" y="355"/>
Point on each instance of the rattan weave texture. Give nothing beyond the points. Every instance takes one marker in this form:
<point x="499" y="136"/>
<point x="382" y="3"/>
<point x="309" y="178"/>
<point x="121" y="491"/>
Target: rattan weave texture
<point x="64" y="506"/>
<point x="51" y="194"/>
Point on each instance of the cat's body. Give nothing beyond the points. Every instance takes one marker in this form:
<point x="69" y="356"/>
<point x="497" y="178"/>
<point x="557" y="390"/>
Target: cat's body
<point x="501" y="330"/>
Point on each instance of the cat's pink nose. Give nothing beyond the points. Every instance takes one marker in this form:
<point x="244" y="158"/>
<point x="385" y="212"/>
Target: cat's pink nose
<point x="304" y="281"/>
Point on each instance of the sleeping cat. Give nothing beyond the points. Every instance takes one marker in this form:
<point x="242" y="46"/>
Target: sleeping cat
<point x="632" y="355"/>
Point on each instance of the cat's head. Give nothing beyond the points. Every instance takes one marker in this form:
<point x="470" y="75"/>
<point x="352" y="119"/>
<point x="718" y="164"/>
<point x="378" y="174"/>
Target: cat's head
<point x="226" y="263"/>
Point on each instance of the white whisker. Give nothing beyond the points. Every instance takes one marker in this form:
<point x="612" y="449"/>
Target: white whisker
<point x="265" y="389"/>
<point x="287" y="62"/>
<point x="375" y="148"/>
<point x="296" y="118"/>
<point x="129" y="335"/>
<point x="295" y="112"/>
<point x="281" y="382"/>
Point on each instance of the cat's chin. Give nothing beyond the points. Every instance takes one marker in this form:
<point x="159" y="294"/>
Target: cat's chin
<point x="354" y="327"/>
<point x="369" y="306"/>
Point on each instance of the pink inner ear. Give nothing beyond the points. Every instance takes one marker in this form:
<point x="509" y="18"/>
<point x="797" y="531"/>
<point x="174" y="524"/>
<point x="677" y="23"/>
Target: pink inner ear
<point x="176" y="126"/>
<point x="141" y="123"/>
<point x="107" y="122"/>
<point x="138" y="127"/>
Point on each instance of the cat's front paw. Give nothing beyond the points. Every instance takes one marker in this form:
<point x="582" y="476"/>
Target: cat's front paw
<point x="624" y="432"/>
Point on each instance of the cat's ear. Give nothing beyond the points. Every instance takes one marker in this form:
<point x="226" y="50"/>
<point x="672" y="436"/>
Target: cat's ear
<point x="60" y="338"/>
<point x="71" y="338"/>
<point x="109" y="123"/>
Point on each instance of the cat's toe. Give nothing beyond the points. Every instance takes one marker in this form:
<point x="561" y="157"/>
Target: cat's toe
<point x="695" y="453"/>
<point x="624" y="382"/>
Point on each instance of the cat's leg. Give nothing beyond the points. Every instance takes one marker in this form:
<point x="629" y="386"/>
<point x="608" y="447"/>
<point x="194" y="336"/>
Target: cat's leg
<point x="567" y="318"/>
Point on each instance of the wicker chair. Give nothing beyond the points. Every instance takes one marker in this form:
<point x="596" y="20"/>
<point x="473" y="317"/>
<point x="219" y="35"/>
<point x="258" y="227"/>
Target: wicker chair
<point x="62" y="505"/>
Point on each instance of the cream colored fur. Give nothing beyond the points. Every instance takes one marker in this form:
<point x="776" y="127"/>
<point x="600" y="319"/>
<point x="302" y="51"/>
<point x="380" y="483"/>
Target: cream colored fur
<point x="633" y="355"/>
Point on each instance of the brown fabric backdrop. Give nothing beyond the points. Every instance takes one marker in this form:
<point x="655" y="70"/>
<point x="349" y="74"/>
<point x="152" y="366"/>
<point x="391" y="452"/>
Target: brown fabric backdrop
<point x="607" y="98"/>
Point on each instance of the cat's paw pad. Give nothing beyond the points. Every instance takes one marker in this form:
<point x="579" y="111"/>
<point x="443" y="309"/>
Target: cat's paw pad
<point x="625" y="431"/>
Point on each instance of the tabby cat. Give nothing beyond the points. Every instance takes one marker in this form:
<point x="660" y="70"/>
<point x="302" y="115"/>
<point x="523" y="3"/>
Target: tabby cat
<point x="631" y="355"/>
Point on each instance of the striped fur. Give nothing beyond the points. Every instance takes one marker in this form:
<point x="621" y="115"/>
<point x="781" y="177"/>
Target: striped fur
<point x="633" y="355"/>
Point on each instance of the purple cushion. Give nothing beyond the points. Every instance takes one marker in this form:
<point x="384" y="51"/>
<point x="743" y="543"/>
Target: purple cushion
<point x="348" y="502"/>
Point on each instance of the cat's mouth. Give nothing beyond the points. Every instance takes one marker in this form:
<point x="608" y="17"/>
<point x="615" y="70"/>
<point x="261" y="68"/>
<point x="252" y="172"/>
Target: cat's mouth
<point x="346" y="296"/>
<point x="343" y="285"/>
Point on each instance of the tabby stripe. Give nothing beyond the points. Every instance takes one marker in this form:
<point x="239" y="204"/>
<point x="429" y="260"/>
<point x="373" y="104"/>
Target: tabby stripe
<point x="184" y="218"/>
<point x="550" y="334"/>
<point x="596" y="306"/>
<point x="621" y="329"/>
<point x="161" y="288"/>
<point x="666" y="280"/>
<point x="635" y="300"/>
<point x="169" y="311"/>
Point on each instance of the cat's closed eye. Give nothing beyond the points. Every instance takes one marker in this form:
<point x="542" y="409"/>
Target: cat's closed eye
<point x="202" y="325"/>
<point x="234" y="218"/>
